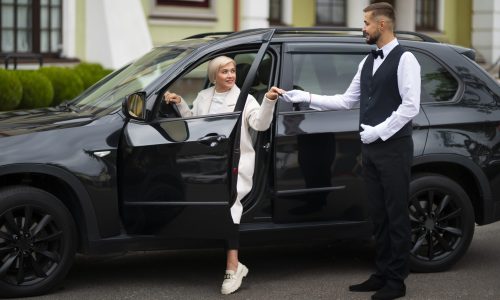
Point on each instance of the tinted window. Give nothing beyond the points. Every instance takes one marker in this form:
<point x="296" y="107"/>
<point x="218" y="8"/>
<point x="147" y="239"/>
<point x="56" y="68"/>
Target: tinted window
<point x="192" y="82"/>
<point x="325" y="74"/>
<point x="438" y="84"/>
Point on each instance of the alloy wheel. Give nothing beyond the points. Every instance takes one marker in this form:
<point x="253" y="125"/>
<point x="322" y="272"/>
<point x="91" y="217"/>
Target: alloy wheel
<point x="31" y="243"/>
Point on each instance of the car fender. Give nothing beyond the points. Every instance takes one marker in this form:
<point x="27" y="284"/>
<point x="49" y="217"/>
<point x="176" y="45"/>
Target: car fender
<point x="488" y="206"/>
<point x="90" y="227"/>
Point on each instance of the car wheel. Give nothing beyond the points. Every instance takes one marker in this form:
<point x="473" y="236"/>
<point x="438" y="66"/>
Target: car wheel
<point x="37" y="241"/>
<point x="442" y="223"/>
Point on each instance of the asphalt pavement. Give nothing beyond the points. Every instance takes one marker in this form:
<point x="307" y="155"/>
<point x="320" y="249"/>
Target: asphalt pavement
<point x="291" y="272"/>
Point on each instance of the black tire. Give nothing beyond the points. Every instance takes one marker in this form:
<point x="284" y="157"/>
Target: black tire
<point x="442" y="223"/>
<point x="37" y="241"/>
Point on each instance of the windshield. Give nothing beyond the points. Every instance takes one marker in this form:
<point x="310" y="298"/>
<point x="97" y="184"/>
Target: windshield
<point x="109" y="92"/>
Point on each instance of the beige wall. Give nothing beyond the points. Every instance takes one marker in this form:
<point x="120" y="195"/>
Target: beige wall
<point x="80" y="29"/>
<point x="458" y="22"/>
<point x="166" y="30"/>
<point x="304" y="13"/>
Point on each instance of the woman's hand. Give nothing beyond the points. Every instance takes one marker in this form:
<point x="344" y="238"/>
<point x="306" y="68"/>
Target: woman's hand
<point x="171" y="98"/>
<point x="274" y="93"/>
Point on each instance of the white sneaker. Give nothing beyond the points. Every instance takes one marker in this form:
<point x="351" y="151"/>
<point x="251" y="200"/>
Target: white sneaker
<point x="232" y="279"/>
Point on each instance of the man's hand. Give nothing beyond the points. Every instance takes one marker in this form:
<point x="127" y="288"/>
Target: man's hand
<point x="171" y="98"/>
<point x="274" y="93"/>
<point x="297" y="96"/>
<point x="369" y="134"/>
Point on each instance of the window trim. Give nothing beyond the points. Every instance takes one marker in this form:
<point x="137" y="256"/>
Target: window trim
<point x="276" y="21"/>
<point x="175" y="12"/>
<point x="331" y="23"/>
<point x="188" y="3"/>
<point x="36" y="29"/>
<point x="435" y="16"/>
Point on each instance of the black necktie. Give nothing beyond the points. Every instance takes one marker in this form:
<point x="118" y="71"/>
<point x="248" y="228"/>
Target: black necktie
<point x="376" y="53"/>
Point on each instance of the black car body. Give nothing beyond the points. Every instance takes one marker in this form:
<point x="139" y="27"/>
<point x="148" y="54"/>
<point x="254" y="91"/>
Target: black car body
<point x="116" y="169"/>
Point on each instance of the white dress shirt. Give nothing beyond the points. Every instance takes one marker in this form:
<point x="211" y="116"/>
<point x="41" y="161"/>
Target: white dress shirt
<point x="409" y="90"/>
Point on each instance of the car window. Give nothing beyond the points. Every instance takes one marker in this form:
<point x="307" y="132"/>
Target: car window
<point x="438" y="84"/>
<point x="325" y="74"/>
<point x="192" y="82"/>
<point x="109" y="93"/>
<point x="330" y="74"/>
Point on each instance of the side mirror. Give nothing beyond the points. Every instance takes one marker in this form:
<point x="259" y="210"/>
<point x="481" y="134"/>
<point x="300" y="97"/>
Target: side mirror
<point x="133" y="106"/>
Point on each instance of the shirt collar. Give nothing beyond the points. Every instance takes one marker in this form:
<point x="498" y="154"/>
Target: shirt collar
<point x="387" y="48"/>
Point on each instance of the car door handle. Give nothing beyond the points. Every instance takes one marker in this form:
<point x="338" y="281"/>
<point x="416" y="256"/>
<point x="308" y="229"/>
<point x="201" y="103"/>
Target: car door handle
<point x="212" y="139"/>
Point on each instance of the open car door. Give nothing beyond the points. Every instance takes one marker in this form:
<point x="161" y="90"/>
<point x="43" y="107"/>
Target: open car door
<point x="176" y="173"/>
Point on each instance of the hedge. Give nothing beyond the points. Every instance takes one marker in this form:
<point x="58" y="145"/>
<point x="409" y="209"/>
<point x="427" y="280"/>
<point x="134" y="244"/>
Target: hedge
<point x="37" y="89"/>
<point x="10" y="90"/>
<point x="47" y="86"/>
<point x="89" y="73"/>
<point x="66" y="84"/>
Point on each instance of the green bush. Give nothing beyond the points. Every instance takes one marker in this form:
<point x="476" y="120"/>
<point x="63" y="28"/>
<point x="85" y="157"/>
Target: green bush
<point x="89" y="73"/>
<point x="10" y="90"/>
<point x="106" y="72"/>
<point x="37" y="89"/>
<point x="66" y="84"/>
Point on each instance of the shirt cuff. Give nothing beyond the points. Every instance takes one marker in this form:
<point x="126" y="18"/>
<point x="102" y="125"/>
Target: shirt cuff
<point x="381" y="132"/>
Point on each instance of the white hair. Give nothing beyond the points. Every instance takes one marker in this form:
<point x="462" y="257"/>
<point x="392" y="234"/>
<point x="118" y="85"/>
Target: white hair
<point x="215" y="64"/>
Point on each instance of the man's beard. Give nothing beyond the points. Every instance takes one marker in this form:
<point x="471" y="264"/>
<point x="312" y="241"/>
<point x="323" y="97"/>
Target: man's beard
<point x="372" y="40"/>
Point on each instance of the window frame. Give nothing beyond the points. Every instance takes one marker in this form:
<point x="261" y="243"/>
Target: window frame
<point x="431" y="25"/>
<point x="328" y="47"/>
<point x="34" y="18"/>
<point x="331" y="4"/>
<point x="460" y="88"/>
<point x="185" y="12"/>
<point x="188" y="3"/>
<point x="278" y="4"/>
<point x="194" y="65"/>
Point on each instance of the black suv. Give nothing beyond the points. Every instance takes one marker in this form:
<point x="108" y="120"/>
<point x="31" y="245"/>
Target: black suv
<point x="117" y="169"/>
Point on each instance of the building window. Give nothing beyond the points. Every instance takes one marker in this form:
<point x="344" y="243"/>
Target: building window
<point x="182" y="11"/>
<point x="275" y="15"/>
<point x="31" y="26"/>
<point x="426" y="15"/>
<point x="195" y="3"/>
<point x="331" y="12"/>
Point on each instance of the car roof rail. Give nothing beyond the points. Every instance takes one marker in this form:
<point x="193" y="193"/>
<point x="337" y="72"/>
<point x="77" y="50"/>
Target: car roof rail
<point x="292" y="30"/>
<point x="423" y="37"/>
<point x="315" y="29"/>
<point x="205" y="34"/>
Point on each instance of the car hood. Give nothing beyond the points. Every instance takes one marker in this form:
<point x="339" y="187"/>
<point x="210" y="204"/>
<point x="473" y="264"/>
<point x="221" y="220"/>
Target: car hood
<point x="35" y="120"/>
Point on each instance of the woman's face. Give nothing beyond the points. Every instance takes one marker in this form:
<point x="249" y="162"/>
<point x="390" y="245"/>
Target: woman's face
<point x="226" y="77"/>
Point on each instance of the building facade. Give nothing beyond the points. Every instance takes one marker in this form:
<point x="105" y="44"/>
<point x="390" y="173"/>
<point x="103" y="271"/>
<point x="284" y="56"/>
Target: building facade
<point x="114" y="32"/>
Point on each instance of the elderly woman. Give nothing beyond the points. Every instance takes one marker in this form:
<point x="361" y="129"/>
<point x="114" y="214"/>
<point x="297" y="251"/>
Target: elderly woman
<point x="221" y="98"/>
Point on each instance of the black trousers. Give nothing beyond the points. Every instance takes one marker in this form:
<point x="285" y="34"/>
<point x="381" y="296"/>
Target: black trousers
<point x="386" y="170"/>
<point x="232" y="241"/>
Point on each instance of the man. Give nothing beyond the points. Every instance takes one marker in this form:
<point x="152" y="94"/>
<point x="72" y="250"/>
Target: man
<point x="387" y="85"/>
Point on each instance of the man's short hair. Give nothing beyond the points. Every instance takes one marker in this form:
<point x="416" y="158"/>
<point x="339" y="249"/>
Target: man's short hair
<point x="215" y="64"/>
<point x="381" y="9"/>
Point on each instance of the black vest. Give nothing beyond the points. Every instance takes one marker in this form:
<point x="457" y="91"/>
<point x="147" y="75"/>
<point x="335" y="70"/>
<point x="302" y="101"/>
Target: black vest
<point x="380" y="93"/>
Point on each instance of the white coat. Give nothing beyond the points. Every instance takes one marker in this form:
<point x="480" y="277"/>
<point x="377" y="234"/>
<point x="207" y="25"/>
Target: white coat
<point x="256" y="116"/>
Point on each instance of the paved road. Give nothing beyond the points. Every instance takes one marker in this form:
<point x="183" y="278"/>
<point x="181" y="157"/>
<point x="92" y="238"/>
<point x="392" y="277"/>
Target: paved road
<point x="317" y="272"/>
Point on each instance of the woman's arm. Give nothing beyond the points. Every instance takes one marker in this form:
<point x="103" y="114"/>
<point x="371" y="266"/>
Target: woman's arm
<point x="259" y="117"/>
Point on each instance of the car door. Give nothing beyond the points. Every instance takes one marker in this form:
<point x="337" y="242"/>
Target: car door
<point x="318" y="153"/>
<point x="176" y="172"/>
